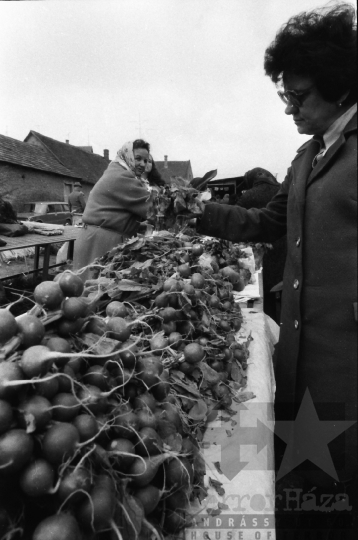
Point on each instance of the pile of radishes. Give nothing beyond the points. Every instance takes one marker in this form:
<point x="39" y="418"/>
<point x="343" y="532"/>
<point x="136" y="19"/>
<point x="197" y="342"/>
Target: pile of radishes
<point x="97" y="440"/>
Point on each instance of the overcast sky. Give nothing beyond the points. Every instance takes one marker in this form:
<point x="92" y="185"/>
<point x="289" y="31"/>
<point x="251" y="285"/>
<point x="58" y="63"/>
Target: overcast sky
<point x="186" y="75"/>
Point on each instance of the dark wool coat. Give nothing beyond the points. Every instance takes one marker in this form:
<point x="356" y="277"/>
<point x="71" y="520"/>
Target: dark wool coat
<point x="258" y="196"/>
<point x="317" y="208"/>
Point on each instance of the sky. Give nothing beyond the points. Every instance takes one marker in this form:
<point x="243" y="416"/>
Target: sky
<point x="185" y="75"/>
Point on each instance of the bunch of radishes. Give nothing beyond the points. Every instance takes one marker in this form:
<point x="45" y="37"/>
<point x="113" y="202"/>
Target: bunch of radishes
<point x="95" y="439"/>
<point x="70" y="433"/>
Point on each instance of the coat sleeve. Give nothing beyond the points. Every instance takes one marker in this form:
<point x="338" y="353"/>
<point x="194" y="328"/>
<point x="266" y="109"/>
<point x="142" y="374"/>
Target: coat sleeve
<point x="238" y="224"/>
<point x="133" y="197"/>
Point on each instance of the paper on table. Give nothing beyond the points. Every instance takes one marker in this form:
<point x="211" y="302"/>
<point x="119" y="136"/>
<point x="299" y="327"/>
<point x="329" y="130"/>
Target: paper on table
<point x="246" y="455"/>
<point x="251" y="291"/>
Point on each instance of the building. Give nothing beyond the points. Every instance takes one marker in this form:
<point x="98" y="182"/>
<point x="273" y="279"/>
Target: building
<point x="31" y="173"/>
<point x="80" y="160"/>
<point x="174" y="170"/>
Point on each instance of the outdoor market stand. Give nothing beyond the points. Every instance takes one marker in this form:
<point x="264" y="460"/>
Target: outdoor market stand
<point x="241" y="471"/>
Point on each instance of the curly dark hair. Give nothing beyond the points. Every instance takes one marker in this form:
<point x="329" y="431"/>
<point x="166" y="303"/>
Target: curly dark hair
<point x="139" y="143"/>
<point x="320" y="45"/>
<point x="154" y="177"/>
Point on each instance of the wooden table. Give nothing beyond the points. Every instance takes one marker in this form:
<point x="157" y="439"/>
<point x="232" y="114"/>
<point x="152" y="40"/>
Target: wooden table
<point x="39" y="241"/>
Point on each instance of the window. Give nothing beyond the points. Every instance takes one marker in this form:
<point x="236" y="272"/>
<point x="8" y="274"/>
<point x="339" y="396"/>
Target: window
<point x="29" y="207"/>
<point x="40" y="208"/>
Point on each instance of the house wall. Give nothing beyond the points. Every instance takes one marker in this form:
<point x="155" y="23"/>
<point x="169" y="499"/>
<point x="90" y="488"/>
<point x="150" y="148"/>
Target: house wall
<point x="19" y="185"/>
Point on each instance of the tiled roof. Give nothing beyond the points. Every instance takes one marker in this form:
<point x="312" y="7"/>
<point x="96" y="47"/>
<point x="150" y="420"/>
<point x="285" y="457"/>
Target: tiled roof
<point x="88" y="149"/>
<point x="174" y="169"/>
<point x="26" y="155"/>
<point x="87" y="166"/>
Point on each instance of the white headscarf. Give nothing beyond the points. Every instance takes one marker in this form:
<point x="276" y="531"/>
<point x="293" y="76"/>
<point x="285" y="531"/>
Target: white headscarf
<point x="125" y="157"/>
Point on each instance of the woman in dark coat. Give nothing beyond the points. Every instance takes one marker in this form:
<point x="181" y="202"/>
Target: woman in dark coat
<point x="116" y="206"/>
<point x="314" y="57"/>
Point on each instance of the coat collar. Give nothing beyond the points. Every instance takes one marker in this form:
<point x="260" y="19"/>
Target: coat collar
<point x="305" y="175"/>
<point x="332" y="150"/>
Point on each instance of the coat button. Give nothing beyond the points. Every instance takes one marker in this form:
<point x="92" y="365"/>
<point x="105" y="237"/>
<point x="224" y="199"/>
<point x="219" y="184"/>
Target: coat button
<point x="298" y="242"/>
<point x="296" y="325"/>
<point x="296" y="284"/>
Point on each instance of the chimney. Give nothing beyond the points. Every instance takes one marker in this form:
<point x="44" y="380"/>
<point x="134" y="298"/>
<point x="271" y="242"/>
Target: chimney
<point x="106" y="154"/>
<point x="67" y="141"/>
<point x="165" y="162"/>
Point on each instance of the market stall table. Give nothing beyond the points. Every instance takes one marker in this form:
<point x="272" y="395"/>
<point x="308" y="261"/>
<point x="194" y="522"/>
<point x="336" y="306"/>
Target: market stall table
<point x="39" y="241"/>
<point x="238" y="448"/>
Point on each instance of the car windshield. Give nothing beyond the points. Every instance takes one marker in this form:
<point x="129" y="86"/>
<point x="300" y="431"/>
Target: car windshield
<point x="40" y="208"/>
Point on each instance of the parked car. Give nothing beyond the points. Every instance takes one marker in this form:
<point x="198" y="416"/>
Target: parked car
<point x="46" y="212"/>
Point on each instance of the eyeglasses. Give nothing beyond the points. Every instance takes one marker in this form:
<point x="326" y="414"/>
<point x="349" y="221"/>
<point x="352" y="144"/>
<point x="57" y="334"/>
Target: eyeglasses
<point x="291" y="97"/>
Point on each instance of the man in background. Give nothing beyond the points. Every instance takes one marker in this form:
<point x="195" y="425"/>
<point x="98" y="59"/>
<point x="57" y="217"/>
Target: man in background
<point x="76" y="200"/>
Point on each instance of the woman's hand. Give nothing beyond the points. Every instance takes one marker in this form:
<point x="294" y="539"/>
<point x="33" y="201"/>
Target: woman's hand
<point x="201" y="205"/>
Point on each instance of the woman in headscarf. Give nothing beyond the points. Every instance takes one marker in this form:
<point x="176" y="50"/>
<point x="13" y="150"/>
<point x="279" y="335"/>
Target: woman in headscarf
<point x="116" y="206"/>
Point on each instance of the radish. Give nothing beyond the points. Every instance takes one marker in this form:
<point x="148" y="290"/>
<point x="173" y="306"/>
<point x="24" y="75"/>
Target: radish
<point x="60" y="442"/>
<point x="169" y="412"/>
<point x="8" y="326"/>
<point x="65" y="327"/>
<point x="145" y="401"/>
<point x="10" y="372"/>
<point x="73" y="484"/>
<point x="6" y="416"/>
<point x="179" y="472"/>
<point x="65" y="407"/>
<point x="118" y="328"/>
<point x="65" y="379"/>
<point x="30" y="329"/>
<point x="125" y="425"/>
<point x="160" y="390"/>
<point x="58" y="344"/>
<point x="116" y="309"/>
<point x="149" y="443"/>
<point x="47" y="387"/>
<point x="16" y="448"/>
<point x="174" y="522"/>
<point x="92" y="399"/>
<point x="36" y="361"/>
<point x="96" y="512"/>
<point x="149" y="496"/>
<point x="124" y="451"/>
<point x="178" y="500"/>
<point x="37" y="478"/>
<point x="35" y="413"/>
<point x="149" y="368"/>
<point x="71" y="284"/>
<point x="97" y="376"/>
<point x="87" y="426"/>
<point x="128" y="356"/>
<point x="158" y="343"/>
<point x="143" y="470"/>
<point x="58" y="527"/>
<point x="74" y="308"/>
<point x="146" y="419"/>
